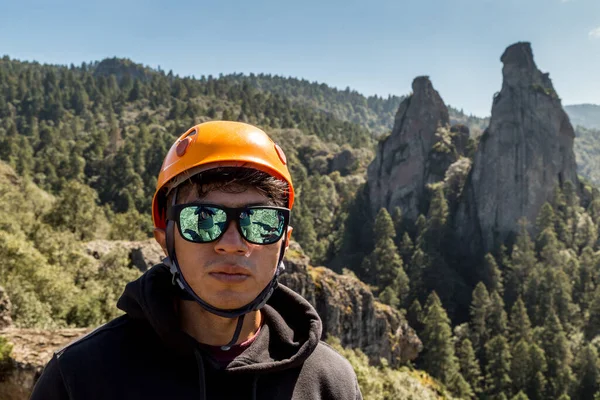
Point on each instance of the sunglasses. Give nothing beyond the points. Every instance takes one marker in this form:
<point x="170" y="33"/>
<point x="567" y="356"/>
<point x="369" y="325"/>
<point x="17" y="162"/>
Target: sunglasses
<point x="205" y="223"/>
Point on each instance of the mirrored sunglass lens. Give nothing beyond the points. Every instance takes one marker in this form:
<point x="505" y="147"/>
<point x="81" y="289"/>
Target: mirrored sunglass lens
<point x="262" y="225"/>
<point x="202" y="224"/>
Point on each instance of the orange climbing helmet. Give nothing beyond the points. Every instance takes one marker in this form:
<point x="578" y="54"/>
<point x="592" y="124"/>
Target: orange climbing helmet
<point x="218" y="144"/>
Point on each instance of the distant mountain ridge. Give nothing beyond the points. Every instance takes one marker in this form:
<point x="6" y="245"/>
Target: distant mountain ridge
<point x="586" y="115"/>
<point x="375" y="113"/>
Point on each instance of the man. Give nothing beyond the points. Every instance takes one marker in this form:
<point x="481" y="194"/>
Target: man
<point x="210" y="322"/>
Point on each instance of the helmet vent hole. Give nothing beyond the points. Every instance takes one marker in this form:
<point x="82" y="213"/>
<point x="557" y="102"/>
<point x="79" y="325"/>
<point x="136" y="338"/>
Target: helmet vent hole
<point x="182" y="146"/>
<point x="190" y="133"/>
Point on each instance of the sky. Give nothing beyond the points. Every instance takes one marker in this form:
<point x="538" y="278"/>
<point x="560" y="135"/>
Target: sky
<point x="375" y="47"/>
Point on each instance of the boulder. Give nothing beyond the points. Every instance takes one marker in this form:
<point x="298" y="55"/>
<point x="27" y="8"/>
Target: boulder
<point x="143" y="254"/>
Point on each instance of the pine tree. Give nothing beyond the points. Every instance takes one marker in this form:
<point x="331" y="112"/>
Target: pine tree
<point x="558" y="357"/>
<point x="407" y="248"/>
<point x="492" y="277"/>
<point x="384" y="226"/>
<point x="536" y="293"/>
<point x="497" y="377"/>
<point x="469" y="365"/>
<point x="497" y="321"/>
<point x="520" y="368"/>
<point x="538" y="366"/>
<point x="436" y="219"/>
<point x="479" y="314"/>
<point x="520" y="396"/>
<point x="522" y="263"/>
<point x="418" y="264"/>
<point x="460" y="388"/>
<point x="583" y="290"/>
<point x="587" y="373"/>
<point x="421" y="228"/>
<point x="439" y="358"/>
<point x="592" y="327"/>
<point x="401" y="285"/>
<point x="385" y="259"/>
<point x="519" y="324"/>
<point x="562" y="297"/>
<point x="567" y="204"/>
<point x="549" y="249"/>
<point x="546" y="218"/>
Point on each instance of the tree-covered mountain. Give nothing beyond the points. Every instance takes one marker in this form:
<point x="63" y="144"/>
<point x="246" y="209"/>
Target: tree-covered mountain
<point x="373" y="112"/>
<point x="516" y="322"/>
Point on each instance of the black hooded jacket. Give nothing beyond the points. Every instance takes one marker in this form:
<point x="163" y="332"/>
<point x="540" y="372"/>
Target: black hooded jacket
<point x="145" y="355"/>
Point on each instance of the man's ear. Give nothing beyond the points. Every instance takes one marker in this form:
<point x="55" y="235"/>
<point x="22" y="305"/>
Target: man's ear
<point x="161" y="237"/>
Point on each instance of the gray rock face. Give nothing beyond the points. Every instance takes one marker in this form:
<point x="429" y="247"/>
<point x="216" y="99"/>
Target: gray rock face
<point x="526" y="151"/>
<point x="350" y="312"/>
<point x="401" y="169"/>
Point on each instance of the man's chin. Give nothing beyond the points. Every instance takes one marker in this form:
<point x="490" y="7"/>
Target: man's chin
<point x="228" y="300"/>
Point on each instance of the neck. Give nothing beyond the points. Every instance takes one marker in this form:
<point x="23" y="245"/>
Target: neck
<point x="210" y="329"/>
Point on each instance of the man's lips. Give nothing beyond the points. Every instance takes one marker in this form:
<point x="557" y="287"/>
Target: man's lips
<point x="230" y="273"/>
<point x="230" y="269"/>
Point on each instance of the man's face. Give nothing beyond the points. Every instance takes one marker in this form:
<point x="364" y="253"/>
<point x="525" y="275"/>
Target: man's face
<point x="229" y="272"/>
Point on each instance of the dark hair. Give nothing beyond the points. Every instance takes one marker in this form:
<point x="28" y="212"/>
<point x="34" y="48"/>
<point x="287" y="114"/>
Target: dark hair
<point x="233" y="180"/>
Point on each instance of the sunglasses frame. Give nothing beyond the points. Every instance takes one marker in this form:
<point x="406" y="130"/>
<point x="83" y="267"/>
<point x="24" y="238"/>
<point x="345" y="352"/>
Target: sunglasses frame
<point x="232" y="213"/>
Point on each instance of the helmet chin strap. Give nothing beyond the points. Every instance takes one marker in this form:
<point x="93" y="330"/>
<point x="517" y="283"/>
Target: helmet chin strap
<point x="187" y="293"/>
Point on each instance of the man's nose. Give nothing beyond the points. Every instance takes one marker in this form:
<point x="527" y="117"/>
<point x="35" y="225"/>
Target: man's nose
<point x="232" y="242"/>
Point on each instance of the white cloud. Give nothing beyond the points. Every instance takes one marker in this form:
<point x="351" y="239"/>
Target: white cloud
<point x="595" y="33"/>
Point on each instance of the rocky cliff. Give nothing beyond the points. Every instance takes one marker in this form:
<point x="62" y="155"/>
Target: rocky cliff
<point x="418" y="151"/>
<point x="524" y="154"/>
<point x="350" y="312"/>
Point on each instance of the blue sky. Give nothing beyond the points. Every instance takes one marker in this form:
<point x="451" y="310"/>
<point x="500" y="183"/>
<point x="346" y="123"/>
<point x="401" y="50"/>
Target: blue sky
<point x="375" y="47"/>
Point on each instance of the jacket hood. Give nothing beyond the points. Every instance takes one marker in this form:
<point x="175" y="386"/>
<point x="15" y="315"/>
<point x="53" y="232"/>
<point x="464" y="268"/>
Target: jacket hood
<point x="290" y="333"/>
